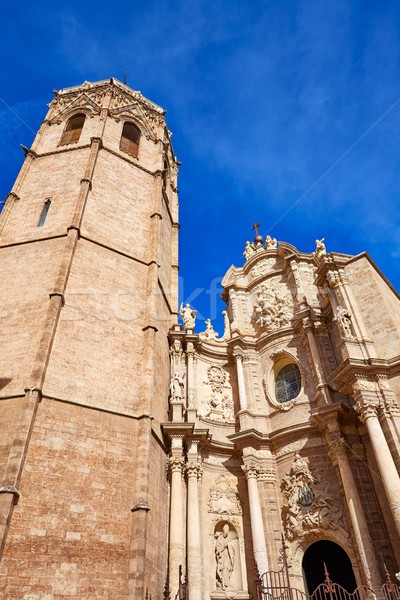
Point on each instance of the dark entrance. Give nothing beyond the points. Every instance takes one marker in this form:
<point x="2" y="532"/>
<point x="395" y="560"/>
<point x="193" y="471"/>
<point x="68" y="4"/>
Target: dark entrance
<point x="337" y="562"/>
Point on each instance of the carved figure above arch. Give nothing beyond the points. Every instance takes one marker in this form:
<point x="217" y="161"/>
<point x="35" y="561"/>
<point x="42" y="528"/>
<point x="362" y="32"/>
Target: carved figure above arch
<point x="223" y="498"/>
<point x="309" y="506"/>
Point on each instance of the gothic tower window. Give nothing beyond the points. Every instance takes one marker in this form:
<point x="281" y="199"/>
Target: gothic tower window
<point x="73" y="129"/>
<point x="130" y="139"/>
<point x="44" y="212"/>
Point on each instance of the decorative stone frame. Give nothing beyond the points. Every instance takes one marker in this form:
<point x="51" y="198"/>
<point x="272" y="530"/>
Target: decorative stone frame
<point x="280" y="359"/>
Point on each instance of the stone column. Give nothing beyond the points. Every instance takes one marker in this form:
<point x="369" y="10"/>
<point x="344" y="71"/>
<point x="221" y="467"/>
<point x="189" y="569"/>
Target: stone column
<point x="176" y="556"/>
<point x="240" y="376"/>
<point x="367" y="408"/>
<point x="256" y="519"/>
<point x="323" y="395"/>
<point x="338" y="455"/>
<point x="193" y="471"/>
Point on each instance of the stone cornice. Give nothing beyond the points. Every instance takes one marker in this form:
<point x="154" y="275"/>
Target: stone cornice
<point x="353" y="369"/>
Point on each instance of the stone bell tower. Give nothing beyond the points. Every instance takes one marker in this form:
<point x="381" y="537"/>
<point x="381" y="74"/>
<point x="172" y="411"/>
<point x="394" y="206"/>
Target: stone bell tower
<point x="88" y="247"/>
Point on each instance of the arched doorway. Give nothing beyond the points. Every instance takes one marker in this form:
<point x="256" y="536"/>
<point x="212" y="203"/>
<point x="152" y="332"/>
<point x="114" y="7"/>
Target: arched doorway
<point x="337" y="562"/>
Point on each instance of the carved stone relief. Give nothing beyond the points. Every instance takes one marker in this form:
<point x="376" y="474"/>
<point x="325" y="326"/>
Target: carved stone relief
<point x="262" y="267"/>
<point x="218" y="404"/>
<point x="273" y="308"/>
<point x="223" y="498"/>
<point x="308" y="504"/>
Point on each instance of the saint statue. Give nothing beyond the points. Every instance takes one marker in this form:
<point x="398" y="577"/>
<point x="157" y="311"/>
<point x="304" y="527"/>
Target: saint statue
<point x="188" y="315"/>
<point x="249" y="250"/>
<point x="225" y="557"/>
<point x="344" y="319"/>
<point x="176" y="387"/>
<point x="320" y="249"/>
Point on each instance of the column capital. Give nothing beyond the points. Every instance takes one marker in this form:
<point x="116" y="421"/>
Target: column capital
<point x="250" y="470"/>
<point x="175" y="463"/>
<point x="337" y="449"/>
<point x="238" y="354"/>
<point x="366" y="408"/>
<point x="194" y="469"/>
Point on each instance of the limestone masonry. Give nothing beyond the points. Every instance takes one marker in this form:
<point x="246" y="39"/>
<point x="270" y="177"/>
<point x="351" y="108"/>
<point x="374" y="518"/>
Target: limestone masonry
<point x="131" y="446"/>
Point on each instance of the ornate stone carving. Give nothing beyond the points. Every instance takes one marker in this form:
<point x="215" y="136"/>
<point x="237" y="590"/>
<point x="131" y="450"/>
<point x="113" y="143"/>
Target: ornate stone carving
<point x="209" y="334"/>
<point x="249" y="250"/>
<point x="320" y="249"/>
<point x="262" y="267"/>
<point x="225" y="557"/>
<point x="188" y="316"/>
<point x="224" y="499"/>
<point x="272" y="307"/>
<point x="219" y="405"/>
<point x="176" y="388"/>
<point x="271" y="243"/>
<point x="343" y="317"/>
<point x="266" y="474"/>
<point x="308" y="505"/>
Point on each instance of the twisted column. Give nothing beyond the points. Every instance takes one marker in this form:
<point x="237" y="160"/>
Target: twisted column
<point x="256" y="519"/>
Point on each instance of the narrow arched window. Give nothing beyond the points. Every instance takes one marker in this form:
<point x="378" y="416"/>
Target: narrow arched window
<point x="73" y="129"/>
<point x="130" y="139"/>
<point x="44" y="212"/>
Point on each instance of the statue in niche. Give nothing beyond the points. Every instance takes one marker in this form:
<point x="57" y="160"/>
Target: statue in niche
<point x="344" y="318"/>
<point x="225" y="557"/>
<point x="271" y="243"/>
<point x="249" y="250"/>
<point x="320" y="249"/>
<point x="176" y="388"/>
<point x="188" y="316"/>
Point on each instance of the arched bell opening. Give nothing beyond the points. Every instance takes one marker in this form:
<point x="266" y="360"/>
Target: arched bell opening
<point x="337" y="563"/>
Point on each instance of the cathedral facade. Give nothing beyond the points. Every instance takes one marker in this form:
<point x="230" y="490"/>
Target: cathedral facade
<point x="137" y="453"/>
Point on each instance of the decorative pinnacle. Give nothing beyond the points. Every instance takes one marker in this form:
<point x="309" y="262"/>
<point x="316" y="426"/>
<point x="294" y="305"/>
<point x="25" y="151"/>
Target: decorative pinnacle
<point x="258" y="239"/>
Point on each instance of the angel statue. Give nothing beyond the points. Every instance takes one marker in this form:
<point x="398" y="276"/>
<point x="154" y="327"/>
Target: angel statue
<point x="188" y="315"/>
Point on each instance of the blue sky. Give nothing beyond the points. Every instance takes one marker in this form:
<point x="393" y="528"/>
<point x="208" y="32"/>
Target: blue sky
<point x="262" y="99"/>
